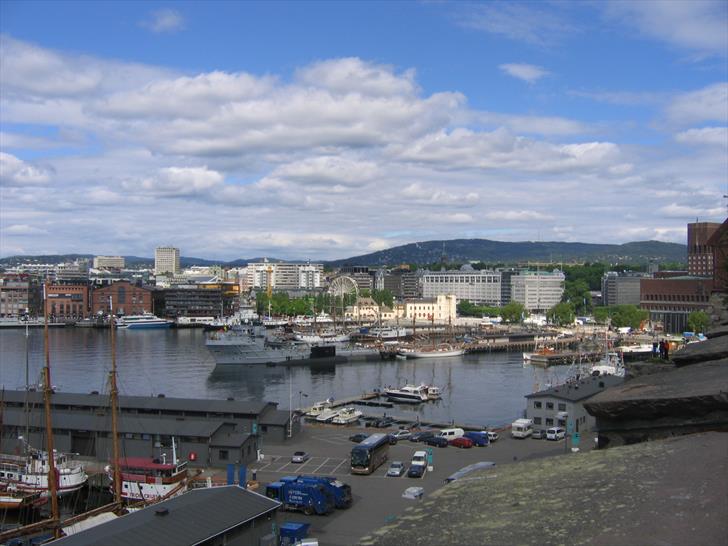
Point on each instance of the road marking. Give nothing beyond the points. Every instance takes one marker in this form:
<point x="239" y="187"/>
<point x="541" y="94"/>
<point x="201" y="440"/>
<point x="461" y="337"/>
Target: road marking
<point x="322" y="464"/>
<point x="337" y="466"/>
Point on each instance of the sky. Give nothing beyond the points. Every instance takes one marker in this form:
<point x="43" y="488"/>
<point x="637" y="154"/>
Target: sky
<point x="324" y="130"/>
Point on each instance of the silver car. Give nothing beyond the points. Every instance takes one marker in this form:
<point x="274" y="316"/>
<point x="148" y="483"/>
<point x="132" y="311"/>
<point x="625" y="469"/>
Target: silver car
<point x="396" y="469"/>
<point x="300" y="457"/>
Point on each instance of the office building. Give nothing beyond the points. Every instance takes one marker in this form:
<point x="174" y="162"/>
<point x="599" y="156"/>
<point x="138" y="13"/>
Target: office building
<point x="621" y="288"/>
<point x="166" y="261"/>
<point x="109" y="262"/>
<point x="671" y="300"/>
<point x="284" y="276"/>
<point x="479" y="287"/>
<point x="537" y="291"/>
<point x="123" y="297"/>
<point x="19" y="296"/>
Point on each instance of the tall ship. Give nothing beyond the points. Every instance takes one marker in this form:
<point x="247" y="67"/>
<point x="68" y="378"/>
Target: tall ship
<point x="144" y="321"/>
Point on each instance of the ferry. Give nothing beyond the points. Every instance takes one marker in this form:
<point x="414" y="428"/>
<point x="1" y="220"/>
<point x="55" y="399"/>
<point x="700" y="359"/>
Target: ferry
<point x="144" y="321"/>
<point x="148" y="479"/>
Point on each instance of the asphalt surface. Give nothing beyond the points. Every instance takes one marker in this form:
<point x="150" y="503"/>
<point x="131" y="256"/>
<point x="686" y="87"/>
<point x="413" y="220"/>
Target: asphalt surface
<point x="378" y="498"/>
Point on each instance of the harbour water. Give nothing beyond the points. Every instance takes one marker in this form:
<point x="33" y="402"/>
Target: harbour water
<point x="484" y="389"/>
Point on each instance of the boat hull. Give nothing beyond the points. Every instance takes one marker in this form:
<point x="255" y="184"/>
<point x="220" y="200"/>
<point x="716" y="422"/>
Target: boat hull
<point x="433" y="354"/>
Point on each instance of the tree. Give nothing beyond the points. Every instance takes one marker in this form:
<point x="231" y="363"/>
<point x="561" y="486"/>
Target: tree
<point x="513" y="312"/>
<point x="577" y="294"/>
<point x="383" y="297"/>
<point x="561" y="314"/>
<point x="698" y="321"/>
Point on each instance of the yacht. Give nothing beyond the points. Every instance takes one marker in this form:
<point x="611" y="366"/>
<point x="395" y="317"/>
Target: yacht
<point x="438" y="352"/>
<point x="347" y="416"/>
<point x="318" y="407"/>
<point x="144" y="321"/>
<point x="327" y="415"/>
<point x="409" y="394"/>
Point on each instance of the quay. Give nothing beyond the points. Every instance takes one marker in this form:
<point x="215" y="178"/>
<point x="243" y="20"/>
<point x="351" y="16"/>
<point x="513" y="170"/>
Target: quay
<point x="555" y="359"/>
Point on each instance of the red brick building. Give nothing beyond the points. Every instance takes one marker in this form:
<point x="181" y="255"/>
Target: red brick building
<point x="126" y="299"/>
<point x="67" y="302"/>
<point x="718" y="242"/>
<point x="700" y="251"/>
<point x="670" y="301"/>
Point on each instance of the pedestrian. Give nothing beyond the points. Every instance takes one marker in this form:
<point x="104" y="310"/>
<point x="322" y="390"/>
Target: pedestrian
<point x="654" y="349"/>
<point x="667" y="350"/>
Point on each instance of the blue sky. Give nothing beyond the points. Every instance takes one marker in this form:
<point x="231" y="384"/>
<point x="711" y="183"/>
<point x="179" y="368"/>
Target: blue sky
<point x="329" y="129"/>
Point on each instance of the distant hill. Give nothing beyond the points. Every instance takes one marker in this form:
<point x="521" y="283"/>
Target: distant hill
<point x="464" y="250"/>
<point x="131" y="261"/>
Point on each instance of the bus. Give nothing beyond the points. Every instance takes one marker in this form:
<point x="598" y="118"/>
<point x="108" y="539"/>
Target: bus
<point x="367" y="456"/>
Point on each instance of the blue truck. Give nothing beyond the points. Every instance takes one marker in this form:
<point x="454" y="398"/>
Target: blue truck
<point x="309" y="498"/>
<point x="339" y="490"/>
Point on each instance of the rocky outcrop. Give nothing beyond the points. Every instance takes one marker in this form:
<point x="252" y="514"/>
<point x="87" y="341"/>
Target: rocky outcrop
<point x="711" y="349"/>
<point x="718" y="331"/>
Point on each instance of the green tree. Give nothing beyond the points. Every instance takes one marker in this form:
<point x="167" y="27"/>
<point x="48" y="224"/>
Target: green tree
<point x="383" y="297"/>
<point x="577" y="294"/>
<point x="561" y="314"/>
<point x="698" y="321"/>
<point x="513" y="312"/>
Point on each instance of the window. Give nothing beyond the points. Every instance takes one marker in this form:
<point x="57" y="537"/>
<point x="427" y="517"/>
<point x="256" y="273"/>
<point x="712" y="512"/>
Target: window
<point x="224" y="455"/>
<point x="536" y="404"/>
<point x="549" y="422"/>
<point x="549" y="405"/>
<point x="536" y="420"/>
<point x="562" y="407"/>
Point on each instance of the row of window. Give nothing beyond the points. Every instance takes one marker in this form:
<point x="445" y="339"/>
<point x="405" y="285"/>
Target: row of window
<point x="675" y="297"/>
<point x="549" y="405"/>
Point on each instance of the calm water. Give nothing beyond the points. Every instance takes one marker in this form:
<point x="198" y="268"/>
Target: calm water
<point x="477" y="389"/>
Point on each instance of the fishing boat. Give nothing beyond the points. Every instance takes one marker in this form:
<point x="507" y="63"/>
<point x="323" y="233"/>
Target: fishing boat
<point x="141" y="322"/>
<point x="611" y="364"/>
<point x="29" y="474"/>
<point x="347" y="416"/>
<point x="409" y="394"/>
<point x="318" y="407"/>
<point x="148" y="479"/>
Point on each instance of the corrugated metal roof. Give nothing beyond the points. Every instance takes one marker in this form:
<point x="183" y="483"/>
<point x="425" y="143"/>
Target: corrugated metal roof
<point x="196" y="516"/>
<point x="584" y="388"/>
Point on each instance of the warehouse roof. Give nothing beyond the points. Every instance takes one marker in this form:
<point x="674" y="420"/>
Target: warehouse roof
<point x="579" y="390"/>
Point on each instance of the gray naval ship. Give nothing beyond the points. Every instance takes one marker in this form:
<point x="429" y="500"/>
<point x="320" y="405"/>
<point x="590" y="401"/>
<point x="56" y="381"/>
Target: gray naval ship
<point x="249" y="346"/>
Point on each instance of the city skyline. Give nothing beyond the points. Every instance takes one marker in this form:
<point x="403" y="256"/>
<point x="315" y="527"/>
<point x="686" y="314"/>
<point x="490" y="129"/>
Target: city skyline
<point x="334" y="130"/>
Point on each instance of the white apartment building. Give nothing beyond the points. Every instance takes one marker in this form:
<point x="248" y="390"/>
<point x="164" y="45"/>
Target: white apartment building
<point x="109" y="262"/>
<point x="441" y="309"/>
<point x="479" y="287"/>
<point x="166" y="261"/>
<point x="537" y="290"/>
<point x="284" y="276"/>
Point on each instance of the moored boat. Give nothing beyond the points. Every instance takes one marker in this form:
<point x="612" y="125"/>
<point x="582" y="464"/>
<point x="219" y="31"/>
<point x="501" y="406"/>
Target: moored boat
<point x="409" y="394"/>
<point x="347" y="416"/>
<point x="148" y="479"/>
<point x="437" y="352"/>
<point x="143" y="321"/>
<point x="327" y="415"/>
<point x="318" y="407"/>
<point x="30" y="474"/>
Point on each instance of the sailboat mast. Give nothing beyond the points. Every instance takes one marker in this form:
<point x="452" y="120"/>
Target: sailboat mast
<point x="52" y="473"/>
<point x="114" y="406"/>
<point x="26" y="405"/>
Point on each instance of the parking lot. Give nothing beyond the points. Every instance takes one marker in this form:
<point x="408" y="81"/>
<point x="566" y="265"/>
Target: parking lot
<point x="377" y="498"/>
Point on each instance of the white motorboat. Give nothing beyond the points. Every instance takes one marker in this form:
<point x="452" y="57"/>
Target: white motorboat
<point x="437" y="352"/>
<point x="409" y="394"/>
<point x="327" y="415"/>
<point x="347" y="416"/>
<point x="144" y="321"/>
<point x="433" y="393"/>
<point x="318" y="407"/>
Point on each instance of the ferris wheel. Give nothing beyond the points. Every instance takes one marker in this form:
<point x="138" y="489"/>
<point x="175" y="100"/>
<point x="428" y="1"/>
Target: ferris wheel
<point x="343" y="286"/>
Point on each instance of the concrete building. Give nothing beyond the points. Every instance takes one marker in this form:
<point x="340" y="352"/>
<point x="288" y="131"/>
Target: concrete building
<point x="621" y="288"/>
<point x="72" y="273"/>
<point x="480" y="287"/>
<point x="671" y="300"/>
<point x="284" y="276"/>
<point x="202" y="300"/>
<point x="700" y="252"/>
<point x="123" y="297"/>
<point x="19" y="296"/>
<point x="228" y="515"/>
<point x="109" y="262"/>
<point x="166" y="261"/>
<point x="537" y="291"/>
<point x="440" y="309"/>
<point x="67" y="302"/>
<point x="563" y="406"/>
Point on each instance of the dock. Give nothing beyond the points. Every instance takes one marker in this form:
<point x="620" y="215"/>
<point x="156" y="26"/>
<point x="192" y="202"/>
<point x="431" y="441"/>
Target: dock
<point x="555" y="359"/>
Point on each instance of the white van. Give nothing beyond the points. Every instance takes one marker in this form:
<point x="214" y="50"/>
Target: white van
<point x="451" y="433"/>
<point x="521" y="428"/>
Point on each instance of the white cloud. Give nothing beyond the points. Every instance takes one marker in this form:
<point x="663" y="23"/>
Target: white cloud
<point x="455" y="218"/>
<point x="707" y="104"/>
<point x="327" y="170"/>
<point x="674" y="210"/>
<point x="24" y="230"/>
<point x="16" y="172"/>
<point x="352" y="75"/>
<point x="177" y="182"/>
<point x="713" y="136"/>
<point x="698" y="25"/>
<point x="517" y="215"/>
<point x="164" y="20"/>
<point x="527" y="72"/>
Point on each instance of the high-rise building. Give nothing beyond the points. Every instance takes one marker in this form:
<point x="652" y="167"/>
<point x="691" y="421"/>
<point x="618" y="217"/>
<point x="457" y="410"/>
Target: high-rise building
<point x="700" y="253"/>
<point x="166" y="260"/>
<point x="538" y="291"/>
<point x="284" y="276"/>
<point x="621" y="288"/>
<point x="479" y="287"/>
<point x="108" y="262"/>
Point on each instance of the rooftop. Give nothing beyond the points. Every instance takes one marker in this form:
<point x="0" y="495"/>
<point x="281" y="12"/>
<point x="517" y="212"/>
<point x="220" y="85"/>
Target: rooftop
<point x="579" y="390"/>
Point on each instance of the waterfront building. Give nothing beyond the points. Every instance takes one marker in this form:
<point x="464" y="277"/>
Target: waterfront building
<point x="20" y="295"/>
<point x="213" y="516"/>
<point x="480" y="287"/>
<point x="564" y="404"/>
<point x="700" y="251"/>
<point x="109" y="262"/>
<point x="537" y="291"/>
<point x="506" y="293"/>
<point x="671" y="300"/>
<point x="366" y="309"/>
<point x="67" y="302"/>
<point x="213" y="299"/>
<point x="441" y="308"/>
<point x="621" y="288"/>
<point x="400" y="283"/>
<point x="123" y="297"/>
<point x="718" y="242"/>
<point x="283" y="276"/>
<point x="206" y="432"/>
<point x="166" y="260"/>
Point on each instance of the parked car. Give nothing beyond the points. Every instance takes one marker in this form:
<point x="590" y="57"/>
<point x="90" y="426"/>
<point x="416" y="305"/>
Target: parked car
<point x="358" y="438"/>
<point x="392" y="439"/>
<point x="416" y="471"/>
<point x="421" y="436"/>
<point x="401" y="434"/>
<point x="492" y="436"/>
<point x="555" y="433"/>
<point x="396" y="469"/>
<point x="461" y="442"/>
<point x="384" y="422"/>
<point x="300" y="457"/>
<point x="438" y="441"/>
<point x="538" y="434"/>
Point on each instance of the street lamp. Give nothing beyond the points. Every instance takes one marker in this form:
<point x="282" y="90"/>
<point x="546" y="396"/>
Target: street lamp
<point x="300" y="394"/>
